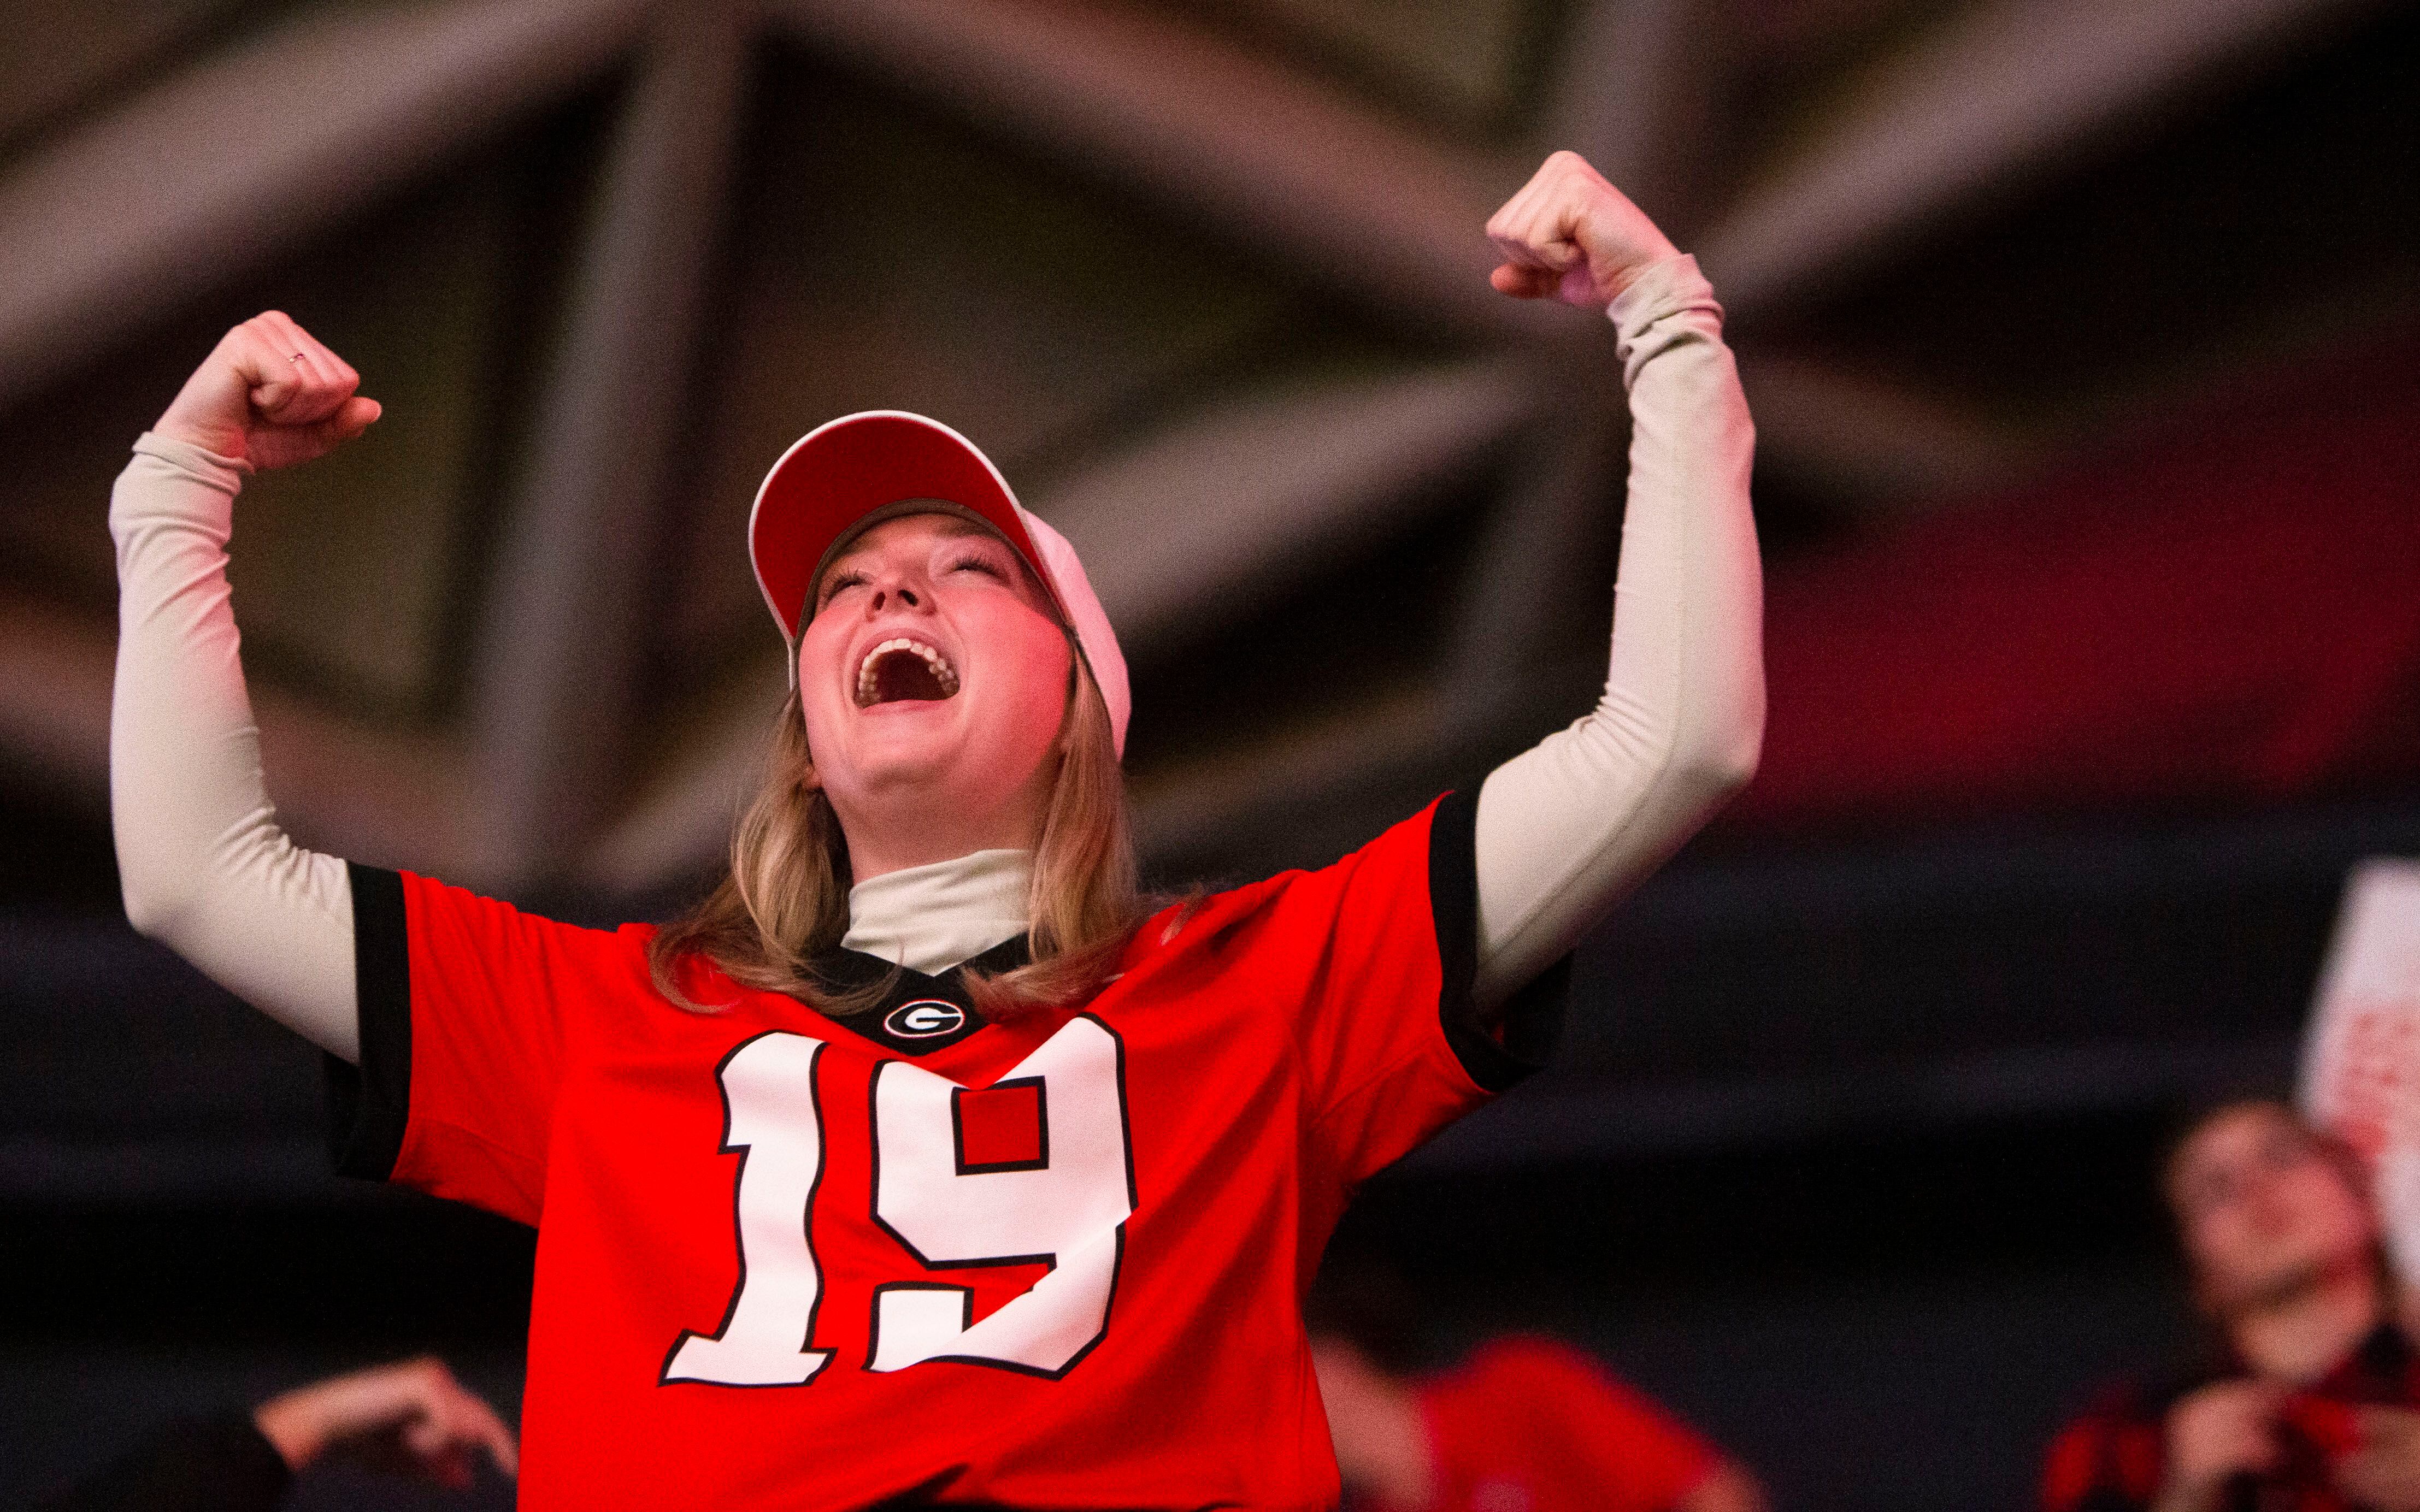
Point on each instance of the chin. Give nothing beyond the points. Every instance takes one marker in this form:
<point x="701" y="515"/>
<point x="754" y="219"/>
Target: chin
<point x="894" y="736"/>
<point x="958" y="760"/>
<point x="879" y="774"/>
<point x="2285" y="1279"/>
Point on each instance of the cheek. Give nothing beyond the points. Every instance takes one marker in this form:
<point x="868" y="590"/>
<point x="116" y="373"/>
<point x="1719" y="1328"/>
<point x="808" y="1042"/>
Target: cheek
<point x="2222" y="1241"/>
<point x="818" y="658"/>
<point x="2323" y="1203"/>
<point x="1034" y="663"/>
<point x="820" y="645"/>
<point x="817" y="724"/>
<point x="2205" y="1245"/>
<point x="1042" y="697"/>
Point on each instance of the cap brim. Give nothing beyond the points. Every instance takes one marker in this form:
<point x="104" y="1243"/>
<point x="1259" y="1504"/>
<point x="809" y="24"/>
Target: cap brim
<point x="840" y="472"/>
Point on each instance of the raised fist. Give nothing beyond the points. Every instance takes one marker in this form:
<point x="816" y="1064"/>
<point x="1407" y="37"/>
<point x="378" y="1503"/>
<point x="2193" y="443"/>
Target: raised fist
<point x="1569" y="235"/>
<point x="271" y="394"/>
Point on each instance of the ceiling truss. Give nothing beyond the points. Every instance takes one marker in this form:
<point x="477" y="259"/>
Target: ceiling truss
<point x="1289" y="169"/>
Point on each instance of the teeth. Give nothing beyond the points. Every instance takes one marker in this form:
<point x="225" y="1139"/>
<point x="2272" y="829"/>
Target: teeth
<point x="869" y="686"/>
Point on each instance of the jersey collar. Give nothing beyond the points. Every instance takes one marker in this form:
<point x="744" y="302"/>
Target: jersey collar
<point x="917" y="1014"/>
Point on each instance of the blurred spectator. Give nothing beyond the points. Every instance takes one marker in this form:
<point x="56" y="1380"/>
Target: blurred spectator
<point x="1523" y="1425"/>
<point x="2308" y="1401"/>
<point x="412" y="1417"/>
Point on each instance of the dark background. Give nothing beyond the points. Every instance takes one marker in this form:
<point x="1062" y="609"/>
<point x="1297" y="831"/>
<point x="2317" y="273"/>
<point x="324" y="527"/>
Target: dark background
<point x="2082" y="343"/>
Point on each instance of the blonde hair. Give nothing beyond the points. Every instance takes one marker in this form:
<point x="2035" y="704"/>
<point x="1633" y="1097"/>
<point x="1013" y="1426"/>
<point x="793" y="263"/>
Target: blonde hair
<point x="786" y="900"/>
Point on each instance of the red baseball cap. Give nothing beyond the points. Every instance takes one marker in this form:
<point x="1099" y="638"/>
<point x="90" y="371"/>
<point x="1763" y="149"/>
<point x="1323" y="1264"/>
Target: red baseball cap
<point x="849" y="472"/>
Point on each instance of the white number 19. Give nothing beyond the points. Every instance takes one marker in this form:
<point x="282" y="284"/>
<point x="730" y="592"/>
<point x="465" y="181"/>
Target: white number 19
<point x="1067" y="1209"/>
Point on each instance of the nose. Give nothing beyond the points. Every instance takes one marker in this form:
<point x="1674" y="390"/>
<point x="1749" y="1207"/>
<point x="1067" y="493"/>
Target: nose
<point x="894" y="581"/>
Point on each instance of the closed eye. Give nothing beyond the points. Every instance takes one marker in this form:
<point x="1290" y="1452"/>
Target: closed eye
<point x="838" y="581"/>
<point x="981" y="565"/>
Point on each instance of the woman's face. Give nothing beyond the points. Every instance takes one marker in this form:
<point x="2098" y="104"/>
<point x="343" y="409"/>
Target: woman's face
<point x="934" y="677"/>
<point x="2264" y="1207"/>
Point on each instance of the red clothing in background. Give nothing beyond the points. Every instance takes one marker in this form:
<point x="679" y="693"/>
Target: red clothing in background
<point x="1525" y="1424"/>
<point x="2113" y="1456"/>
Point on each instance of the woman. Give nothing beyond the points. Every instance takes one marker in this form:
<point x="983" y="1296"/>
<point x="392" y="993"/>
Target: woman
<point x="915" y="1168"/>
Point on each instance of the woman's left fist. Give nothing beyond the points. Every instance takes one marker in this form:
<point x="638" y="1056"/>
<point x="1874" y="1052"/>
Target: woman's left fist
<point x="1569" y="235"/>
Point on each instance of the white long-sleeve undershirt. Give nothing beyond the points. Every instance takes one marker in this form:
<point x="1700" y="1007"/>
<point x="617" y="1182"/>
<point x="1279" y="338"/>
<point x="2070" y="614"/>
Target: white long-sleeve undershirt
<point x="930" y="917"/>
<point x="1569" y="826"/>
<point x="1564" y="830"/>
<point x="205" y="866"/>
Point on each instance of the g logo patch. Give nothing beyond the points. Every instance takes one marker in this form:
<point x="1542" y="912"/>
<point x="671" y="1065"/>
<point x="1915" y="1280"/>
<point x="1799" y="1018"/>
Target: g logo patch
<point x="926" y="1018"/>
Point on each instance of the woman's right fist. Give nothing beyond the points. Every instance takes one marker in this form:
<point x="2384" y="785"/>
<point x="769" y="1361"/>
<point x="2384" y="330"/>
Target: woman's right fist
<point x="271" y="394"/>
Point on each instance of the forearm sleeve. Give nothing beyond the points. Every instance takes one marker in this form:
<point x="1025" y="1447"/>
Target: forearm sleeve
<point x="1565" y="829"/>
<point x="203" y="864"/>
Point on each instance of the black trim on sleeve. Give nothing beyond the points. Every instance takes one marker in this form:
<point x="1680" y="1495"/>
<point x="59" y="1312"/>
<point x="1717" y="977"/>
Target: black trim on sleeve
<point x="1530" y="1026"/>
<point x="1496" y="1048"/>
<point x="368" y="1105"/>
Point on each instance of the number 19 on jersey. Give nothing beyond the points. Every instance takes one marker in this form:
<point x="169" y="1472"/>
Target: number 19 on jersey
<point x="1062" y="1200"/>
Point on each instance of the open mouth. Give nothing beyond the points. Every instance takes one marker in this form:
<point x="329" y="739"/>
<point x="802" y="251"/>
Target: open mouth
<point x="903" y="669"/>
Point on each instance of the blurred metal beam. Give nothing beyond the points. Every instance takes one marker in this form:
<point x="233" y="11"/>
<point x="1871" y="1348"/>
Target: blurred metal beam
<point x="1541" y="565"/>
<point x="1216" y="805"/>
<point x="374" y="796"/>
<point x="570" y="586"/>
<point x="677" y="827"/>
<point x="1251" y="495"/>
<point x="1245" y="146"/>
<point x="54" y="678"/>
<point x="244" y="154"/>
<point x="85" y="51"/>
<point x="1308" y="177"/>
<point x="2001" y="91"/>
<point x="1872" y="443"/>
<point x="1637" y="96"/>
<point x="1304" y="796"/>
<point x="1514" y="669"/>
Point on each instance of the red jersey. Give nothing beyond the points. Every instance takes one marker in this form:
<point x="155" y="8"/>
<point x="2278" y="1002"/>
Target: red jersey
<point x="2114" y="1457"/>
<point x="789" y="1261"/>
<point x="1527" y="1425"/>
